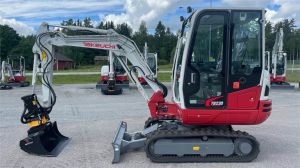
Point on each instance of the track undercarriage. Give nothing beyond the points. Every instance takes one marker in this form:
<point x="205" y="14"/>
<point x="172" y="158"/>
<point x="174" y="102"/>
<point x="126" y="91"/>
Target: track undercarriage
<point x="167" y="140"/>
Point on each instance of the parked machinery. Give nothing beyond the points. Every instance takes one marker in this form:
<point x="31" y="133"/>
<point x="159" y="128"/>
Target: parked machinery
<point x="113" y="77"/>
<point x="279" y="64"/>
<point x="12" y="76"/>
<point x="3" y="83"/>
<point x="219" y="80"/>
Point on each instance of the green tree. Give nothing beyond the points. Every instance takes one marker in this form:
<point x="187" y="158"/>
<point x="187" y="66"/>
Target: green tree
<point x="24" y="48"/>
<point x="141" y="36"/>
<point x="87" y="22"/>
<point x="101" y="26"/>
<point x="159" y="35"/>
<point x="289" y="36"/>
<point x="9" y="39"/>
<point x="124" y="29"/>
<point x="160" y="30"/>
<point x="170" y="44"/>
<point x="269" y="35"/>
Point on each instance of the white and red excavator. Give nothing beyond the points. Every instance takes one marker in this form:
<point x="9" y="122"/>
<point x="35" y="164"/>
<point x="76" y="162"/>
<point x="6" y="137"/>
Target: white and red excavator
<point x="11" y="76"/>
<point x="113" y="78"/>
<point x="279" y="64"/>
<point x="219" y="80"/>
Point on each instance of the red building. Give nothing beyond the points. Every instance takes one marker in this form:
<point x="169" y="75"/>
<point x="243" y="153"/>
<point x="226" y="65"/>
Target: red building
<point x="62" y="62"/>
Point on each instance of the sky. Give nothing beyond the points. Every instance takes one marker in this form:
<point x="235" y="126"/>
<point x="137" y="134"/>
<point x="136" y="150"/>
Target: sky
<point x="25" y="16"/>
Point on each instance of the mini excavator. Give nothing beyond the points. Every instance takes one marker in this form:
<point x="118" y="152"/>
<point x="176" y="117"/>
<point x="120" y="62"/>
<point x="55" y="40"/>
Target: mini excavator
<point x="113" y="77"/>
<point x="219" y="80"/>
<point x="11" y="76"/>
<point x="279" y="64"/>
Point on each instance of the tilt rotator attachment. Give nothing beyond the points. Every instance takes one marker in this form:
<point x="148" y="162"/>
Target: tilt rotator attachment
<point x="43" y="136"/>
<point x="124" y="141"/>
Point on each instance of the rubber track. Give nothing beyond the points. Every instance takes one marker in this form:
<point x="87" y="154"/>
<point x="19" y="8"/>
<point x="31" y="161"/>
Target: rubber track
<point x="209" y="132"/>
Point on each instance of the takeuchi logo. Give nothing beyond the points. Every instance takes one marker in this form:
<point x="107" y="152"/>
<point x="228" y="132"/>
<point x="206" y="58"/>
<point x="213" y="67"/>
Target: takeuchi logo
<point x="99" y="45"/>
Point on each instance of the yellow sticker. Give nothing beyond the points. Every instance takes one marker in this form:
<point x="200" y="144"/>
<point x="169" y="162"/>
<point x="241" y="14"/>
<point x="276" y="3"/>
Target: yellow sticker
<point x="34" y="102"/>
<point x="196" y="148"/>
<point x="44" y="55"/>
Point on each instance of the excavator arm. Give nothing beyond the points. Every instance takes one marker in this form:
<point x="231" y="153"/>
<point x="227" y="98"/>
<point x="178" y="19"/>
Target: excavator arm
<point x="107" y="40"/>
<point x="38" y="107"/>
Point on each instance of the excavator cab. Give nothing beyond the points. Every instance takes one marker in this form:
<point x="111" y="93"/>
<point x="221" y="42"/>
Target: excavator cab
<point x="220" y="52"/>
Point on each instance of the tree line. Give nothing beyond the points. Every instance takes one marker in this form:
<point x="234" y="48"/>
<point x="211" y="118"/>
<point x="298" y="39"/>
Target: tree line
<point x="161" y="41"/>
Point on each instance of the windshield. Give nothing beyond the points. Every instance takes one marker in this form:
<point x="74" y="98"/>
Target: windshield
<point x="151" y="62"/>
<point x="280" y="64"/>
<point x="246" y="50"/>
<point x="118" y="68"/>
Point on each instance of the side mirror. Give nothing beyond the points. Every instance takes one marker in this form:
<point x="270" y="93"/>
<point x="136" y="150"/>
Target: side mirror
<point x="181" y="18"/>
<point x="189" y="9"/>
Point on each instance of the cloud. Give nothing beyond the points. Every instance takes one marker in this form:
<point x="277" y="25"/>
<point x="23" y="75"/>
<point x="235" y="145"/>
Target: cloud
<point x="21" y="28"/>
<point x="245" y="3"/>
<point x="289" y="9"/>
<point x="22" y="15"/>
<point x="30" y="13"/>
<point x="284" y="8"/>
<point x="45" y="9"/>
<point x="150" y="11"/>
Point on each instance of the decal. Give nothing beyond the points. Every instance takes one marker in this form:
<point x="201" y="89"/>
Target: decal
<point x="99" y="45"/>
<point x="217" y="103"/>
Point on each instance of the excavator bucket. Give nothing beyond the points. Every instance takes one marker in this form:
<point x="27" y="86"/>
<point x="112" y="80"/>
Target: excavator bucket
<point x="45" y="140"/>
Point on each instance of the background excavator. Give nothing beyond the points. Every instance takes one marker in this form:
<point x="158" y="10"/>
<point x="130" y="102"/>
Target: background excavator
<point x="113" y="77"/>
<point x="219" y="80"/>
<point x="13" y="75"/>
<point x="279" y="64"/>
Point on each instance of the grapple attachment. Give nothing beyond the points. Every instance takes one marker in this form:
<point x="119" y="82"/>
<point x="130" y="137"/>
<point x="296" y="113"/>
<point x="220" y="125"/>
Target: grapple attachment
<point x="45" y="140"/>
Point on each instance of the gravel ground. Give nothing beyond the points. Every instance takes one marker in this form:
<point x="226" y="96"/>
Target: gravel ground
<point x="90" y="119"/>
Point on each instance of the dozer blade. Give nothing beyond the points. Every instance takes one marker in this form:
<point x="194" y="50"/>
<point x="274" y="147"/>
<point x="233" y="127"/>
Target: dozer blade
<point x="45" y="141"/>
<point x="124" y="141"/>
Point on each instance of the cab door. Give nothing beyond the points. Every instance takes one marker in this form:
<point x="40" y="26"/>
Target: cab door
<point x="246" y="51"/>
<point x="205" y="71"/>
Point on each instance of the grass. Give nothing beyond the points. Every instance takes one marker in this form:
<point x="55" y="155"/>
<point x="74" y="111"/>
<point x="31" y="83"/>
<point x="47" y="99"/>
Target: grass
<point x="96" y="68"/>
<point x="290" y="65"/>
<point x="293" y="76"/>
<point x="84" y="79"/>
<point x="73" y="79"/>
<point x="163" y="77"/>
<point x="167" y="67"/>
